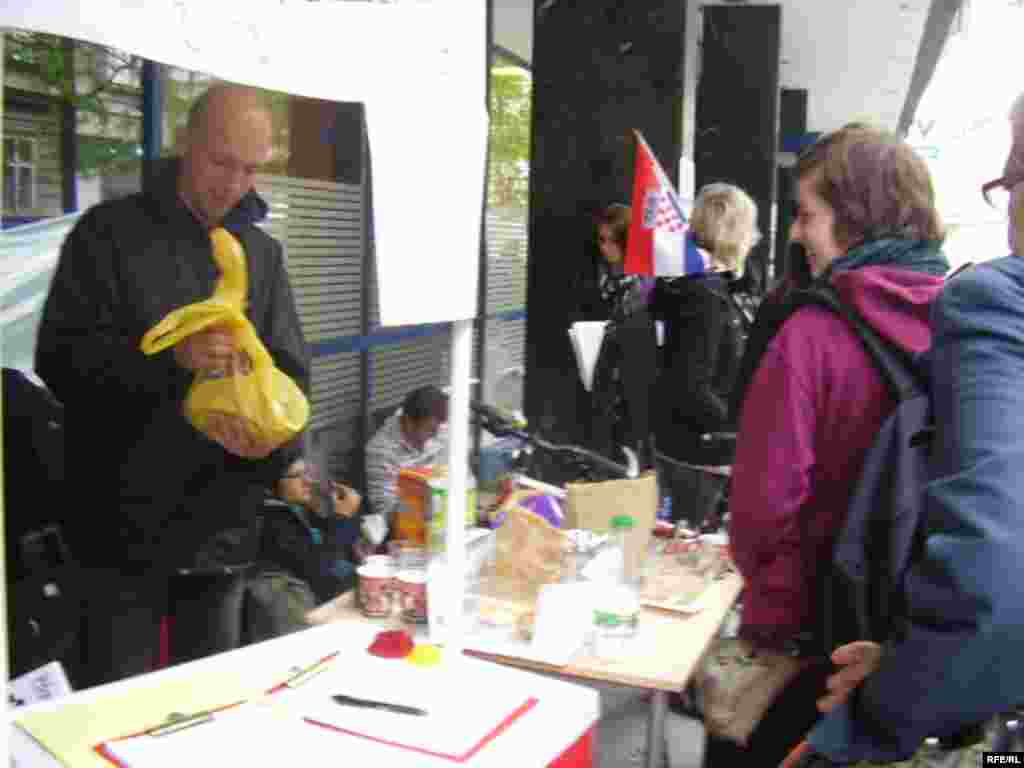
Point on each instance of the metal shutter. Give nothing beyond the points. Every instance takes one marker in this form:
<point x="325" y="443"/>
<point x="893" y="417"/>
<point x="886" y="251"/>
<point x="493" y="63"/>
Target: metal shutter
<point x="404" y="358"/>
<point x="506" y="306"/>
<point x="319" y="223"/>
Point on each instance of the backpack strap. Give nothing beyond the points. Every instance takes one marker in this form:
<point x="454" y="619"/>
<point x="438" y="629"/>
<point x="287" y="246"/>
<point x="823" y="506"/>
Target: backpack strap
<point x="900" y="370"/>
<point x="905" y="377"/>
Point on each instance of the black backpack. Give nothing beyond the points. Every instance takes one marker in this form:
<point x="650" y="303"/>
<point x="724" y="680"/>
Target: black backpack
<point x="33" y="425"/>
<point x="46" y="591"/>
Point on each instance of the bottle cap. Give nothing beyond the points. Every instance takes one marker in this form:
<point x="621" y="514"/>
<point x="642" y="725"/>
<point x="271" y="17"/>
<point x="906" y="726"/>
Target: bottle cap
<point x="624" y="522"/>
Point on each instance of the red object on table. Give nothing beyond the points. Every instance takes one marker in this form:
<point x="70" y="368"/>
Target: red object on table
<point x="579" y="755"/>
<point x="391" y="644"/>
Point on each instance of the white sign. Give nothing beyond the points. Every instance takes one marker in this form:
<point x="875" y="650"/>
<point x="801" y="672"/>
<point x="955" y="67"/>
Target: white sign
<point x="418" y="68"/>
<point x="43" y="684"/>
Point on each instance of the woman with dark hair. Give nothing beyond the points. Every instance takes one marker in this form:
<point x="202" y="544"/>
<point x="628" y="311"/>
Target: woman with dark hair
<point x="625" y="369"/>
<point x="868" y="221"/>
<point x="620" y="294"/>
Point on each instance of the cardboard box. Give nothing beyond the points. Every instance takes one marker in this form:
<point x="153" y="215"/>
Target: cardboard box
<point x="591" y="506"/>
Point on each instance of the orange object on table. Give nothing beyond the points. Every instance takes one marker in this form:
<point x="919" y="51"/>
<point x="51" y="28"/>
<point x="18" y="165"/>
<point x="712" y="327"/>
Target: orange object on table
<point x="414" y="503"/>
<point x="423" y="503"/>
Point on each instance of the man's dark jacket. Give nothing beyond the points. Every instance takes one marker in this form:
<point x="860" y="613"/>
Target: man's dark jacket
<point x="147" y="486"/>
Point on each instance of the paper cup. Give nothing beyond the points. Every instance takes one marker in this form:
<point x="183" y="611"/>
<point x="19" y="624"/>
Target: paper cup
<point x="384" y="562"/>
<point x="375" y="587"/>
<point x="412" y="588"/>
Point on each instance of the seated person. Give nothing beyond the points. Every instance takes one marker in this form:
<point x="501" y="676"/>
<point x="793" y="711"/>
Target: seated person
<point x="412" y="436"/>
<point x="310" y="542"/>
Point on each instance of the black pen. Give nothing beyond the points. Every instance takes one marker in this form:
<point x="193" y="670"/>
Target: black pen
<point x="398" y="709"/>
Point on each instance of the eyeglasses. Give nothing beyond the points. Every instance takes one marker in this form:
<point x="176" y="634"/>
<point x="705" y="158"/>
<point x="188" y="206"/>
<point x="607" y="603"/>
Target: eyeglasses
<point x="1003" y="182"/>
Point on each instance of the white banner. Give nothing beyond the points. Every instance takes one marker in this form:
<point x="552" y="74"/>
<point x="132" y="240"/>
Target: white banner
<point x="419" y="68"/>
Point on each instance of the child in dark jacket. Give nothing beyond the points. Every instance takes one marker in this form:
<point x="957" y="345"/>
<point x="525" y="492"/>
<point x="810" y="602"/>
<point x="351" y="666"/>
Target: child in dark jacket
<point x="313" y="543"/>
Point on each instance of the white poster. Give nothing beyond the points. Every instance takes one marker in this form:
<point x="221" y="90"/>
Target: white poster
<point x="418" y="67"/>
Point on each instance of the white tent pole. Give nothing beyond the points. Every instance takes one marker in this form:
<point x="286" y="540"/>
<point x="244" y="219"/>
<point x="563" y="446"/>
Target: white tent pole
<point x="458" y="447"/>
<point x="4" y="629"/>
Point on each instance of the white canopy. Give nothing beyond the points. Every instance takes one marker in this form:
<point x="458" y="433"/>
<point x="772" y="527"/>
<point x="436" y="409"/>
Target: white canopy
<point x="420" y="71"/>
<point x="418" y="67"/>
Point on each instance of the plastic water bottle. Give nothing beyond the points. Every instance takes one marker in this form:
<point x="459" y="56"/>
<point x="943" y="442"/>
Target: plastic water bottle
<point x="617" y="610"/>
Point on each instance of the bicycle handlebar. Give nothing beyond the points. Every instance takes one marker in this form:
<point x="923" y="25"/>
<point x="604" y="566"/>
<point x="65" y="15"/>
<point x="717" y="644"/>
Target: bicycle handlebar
<point x="591" y="456"/>
<point x="502" y="429"/>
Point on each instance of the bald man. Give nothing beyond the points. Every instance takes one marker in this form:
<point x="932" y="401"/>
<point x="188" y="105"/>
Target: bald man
<point x="148" y="489"/>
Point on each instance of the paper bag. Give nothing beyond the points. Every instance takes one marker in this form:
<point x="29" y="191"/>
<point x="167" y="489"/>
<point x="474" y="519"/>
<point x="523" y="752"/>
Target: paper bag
<point x="527" y="555"/>
<point x="737" y="685"/>
<point x="528" y="551"/>
<point x="591" y="506"/>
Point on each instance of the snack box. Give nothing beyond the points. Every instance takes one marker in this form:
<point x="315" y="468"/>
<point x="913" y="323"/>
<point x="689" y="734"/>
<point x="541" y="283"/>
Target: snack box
<point x="423" y="505"/>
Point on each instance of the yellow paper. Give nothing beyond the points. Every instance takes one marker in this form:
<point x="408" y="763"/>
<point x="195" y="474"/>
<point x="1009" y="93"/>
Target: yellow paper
<point x="71" y="731"/>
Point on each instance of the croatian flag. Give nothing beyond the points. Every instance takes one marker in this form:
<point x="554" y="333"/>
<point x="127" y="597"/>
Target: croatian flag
<point x="660" y="240"/>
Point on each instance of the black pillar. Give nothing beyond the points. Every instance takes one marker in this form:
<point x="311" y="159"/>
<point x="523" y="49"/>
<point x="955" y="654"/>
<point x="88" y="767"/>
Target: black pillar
<point x="348" y="137"/>
<point x="737" y="103"/>
<point x="600" y="69"/>
<point x="792" y="130"/>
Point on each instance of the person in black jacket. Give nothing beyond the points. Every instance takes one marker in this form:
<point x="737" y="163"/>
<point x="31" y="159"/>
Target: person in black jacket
<point x="704" y="337"/>
<point x="313" y="543"/>
<point x="771" y="313"/>
<point x="627" y="363"/>
<point x="152" y="486"/>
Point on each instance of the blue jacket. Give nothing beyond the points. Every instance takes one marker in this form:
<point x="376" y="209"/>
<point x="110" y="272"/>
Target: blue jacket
<point x="960" y="659"/>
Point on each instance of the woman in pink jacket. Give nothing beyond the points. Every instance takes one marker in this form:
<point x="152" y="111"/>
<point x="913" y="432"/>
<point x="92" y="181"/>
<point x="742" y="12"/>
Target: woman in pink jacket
<point x="867" y="220"/>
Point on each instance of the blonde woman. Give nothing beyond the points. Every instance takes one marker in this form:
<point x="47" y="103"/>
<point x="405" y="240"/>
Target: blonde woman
<point x="724" y="223"/>
<point x="701" y="354"/>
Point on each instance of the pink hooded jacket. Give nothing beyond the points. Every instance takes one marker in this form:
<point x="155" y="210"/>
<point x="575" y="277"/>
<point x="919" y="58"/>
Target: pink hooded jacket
<point x="812" y="410"/>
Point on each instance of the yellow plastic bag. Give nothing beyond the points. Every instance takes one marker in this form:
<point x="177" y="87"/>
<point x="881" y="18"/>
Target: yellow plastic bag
<point x="272" y="405"/>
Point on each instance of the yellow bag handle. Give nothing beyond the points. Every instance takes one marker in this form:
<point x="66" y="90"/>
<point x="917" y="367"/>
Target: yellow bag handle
<point x="225" y="307"/>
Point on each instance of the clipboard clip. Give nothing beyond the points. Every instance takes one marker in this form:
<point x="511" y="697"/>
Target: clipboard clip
<point x="179" y="721"/>
<point x="300" y="675"/>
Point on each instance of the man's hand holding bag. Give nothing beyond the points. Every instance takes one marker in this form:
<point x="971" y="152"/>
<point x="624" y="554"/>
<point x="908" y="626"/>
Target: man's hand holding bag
<point x="239" y="397"/>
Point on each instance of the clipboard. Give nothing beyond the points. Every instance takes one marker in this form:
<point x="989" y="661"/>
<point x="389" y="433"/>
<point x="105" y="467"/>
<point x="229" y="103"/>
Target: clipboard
<point x="167" y="743"/>
<point x="71" y="732"/>
<point x="451" y="729"/>
<point x="160" y="734"/>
